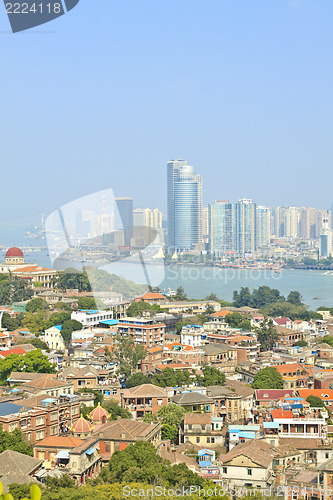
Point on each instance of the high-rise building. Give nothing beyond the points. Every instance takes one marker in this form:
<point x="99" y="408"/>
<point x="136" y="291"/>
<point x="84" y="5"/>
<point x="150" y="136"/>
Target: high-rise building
<point x="264" y="215"/>
<point x="205" y="225"/>
<point x="246" y="226"/>
<point x="222" y="227"/>
<point x="325" y="240"/>
<point x="125" y="210"/>
<point x="184" y="206"/>
<point x="147" y="217"/>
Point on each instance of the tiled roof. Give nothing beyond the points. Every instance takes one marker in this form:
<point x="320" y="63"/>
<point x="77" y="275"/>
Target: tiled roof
<point x="197" y="418"/>
<point x="256" y="450"/>
<point x="280" y="413"/>
<point x="145" y="390"/>
<point x="189" y="398"/>
<point x="31" y="269"/>
<point x="324" y="394"/>
<point x="19" y="351"/>
<point x="151" y="295"/>
<point x="222" y="314"/>
<point x="12" y="461"/>
<point x="43" y="383"/>
<point x="125" y="429"/>
<point x="60" y="442"/>
<point x="273" y="394"/>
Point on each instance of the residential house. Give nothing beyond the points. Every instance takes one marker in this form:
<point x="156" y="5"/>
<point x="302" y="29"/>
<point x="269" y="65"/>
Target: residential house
<point x="311" y="423"/>
<point x="40" y="416"/>
<point x="271" y="397"/>
<point x="287" y="336"/>
<point x="238" y="434"/>
<point x="142" y="330"/>
<point x="249" y="465"/>
<point x="194" y="401"/>
<point x="228" y="404"/>
<point x="118" y="434"/>
<point x="47" y="385"/>
<point x="220" y="356"/>
<point x="201" y="429"/>
<point x="295" y="376"/>
<point x="17" y="468"/>
<point x="145" y="398"/>
<point x="53" y="338"/>
<point x="193" y="335"/>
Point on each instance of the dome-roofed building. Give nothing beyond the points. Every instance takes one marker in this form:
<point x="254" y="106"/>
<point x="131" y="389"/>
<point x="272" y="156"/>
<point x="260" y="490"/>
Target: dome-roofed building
<point x="82" y="428"/>
<point x="30" y="273"/>
<point x="14" y="256"/>
<point x="99" y="415"/>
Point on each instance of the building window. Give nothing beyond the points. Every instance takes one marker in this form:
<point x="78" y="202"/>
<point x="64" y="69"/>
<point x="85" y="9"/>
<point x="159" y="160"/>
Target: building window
<point x="249" y="472"/>
<point x="224" y="470"/>
<point x="198" y="439"/>
<point x="107" y="447"/>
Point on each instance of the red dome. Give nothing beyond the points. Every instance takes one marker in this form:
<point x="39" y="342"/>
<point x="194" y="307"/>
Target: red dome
<point x="14" y="252"/>
<point x="98" y="413"/>
<point x="81" y="426"/>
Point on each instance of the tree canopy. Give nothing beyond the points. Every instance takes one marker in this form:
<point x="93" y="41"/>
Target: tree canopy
<point x="137" y="379"/>
<point x="14" y="441"/>
<point x="32" y="361"/>
<point x="268" y="378"/>
<point x="36" y="304"/>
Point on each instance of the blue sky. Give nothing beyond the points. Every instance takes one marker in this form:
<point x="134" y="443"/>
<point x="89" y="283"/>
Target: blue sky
<point x="107" y="94"/>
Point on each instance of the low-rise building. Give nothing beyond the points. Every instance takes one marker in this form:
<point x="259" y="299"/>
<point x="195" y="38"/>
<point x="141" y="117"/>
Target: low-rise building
<point x="118" y="434"/>
<point x="194" y="401"/>
<point x="220" y="356"/>
<point x="248" y="465"/>
<point x="53" y="338"/>
<point x="40" y="416"/>
<point x="201" y="429"/>
<point x="145" y="398"/>
<point x="142" y="330"/>
<point x="193" y="335"/>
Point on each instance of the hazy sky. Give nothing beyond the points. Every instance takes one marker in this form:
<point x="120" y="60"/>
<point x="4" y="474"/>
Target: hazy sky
<point x="107" y="94"/>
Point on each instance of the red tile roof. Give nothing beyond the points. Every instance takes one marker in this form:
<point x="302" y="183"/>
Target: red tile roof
<point x="280" y="413"/>
<point x="19" y="351"/>
<point x="323" y="394"/>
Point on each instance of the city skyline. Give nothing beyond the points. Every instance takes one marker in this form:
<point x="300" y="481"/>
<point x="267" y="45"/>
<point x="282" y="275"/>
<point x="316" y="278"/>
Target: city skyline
<point x="247" y="101"/>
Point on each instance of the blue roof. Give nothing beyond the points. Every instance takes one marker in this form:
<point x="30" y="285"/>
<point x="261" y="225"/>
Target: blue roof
<point x="9" y="408"/>
<point x="205" y="451"/>
<point x="58" y="326"/>
<point x="49" y="400"/>
<point x="109" y="322"/>
<point x="271" y="425"/>
<point x="195" y="326"/>
<point x="247" y="435"/>
<point x="89" y="311"/>
<point x="90" y="451"/>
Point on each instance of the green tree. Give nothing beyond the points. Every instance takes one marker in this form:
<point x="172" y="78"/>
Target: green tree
<point x="143" y="309"/>
<point x="12" y="322"/>
<point x="268" y="378"/>
<point x="98" y="396"/>
<point x="295" y="298"/>
<point x="69" y="326"/>
<point x="14" y="441"/>
<point x="300" y="343"/>
<point x="211" y="376"/>
<point x="327" y="339"/>
<point x="267" y="335"/>
<point x="212" y="296"/>
<point x="36" y="304"/>
<point x="242" y="298"/>
<point x="180" y="294"/>
<point x="36" y="362"/>
<point x="115" y="411"/>
<point x="171" y="378"/>
<point x="35" y="322"/>
<point x="137" y="379"/>
<point x="63" y="306"/>
<point x="19" y="491"/>
<point x="315" y="402"/>
<point x="234" y="319"/>
<point x="86" y="303"/>
<point x="128" y="355"/>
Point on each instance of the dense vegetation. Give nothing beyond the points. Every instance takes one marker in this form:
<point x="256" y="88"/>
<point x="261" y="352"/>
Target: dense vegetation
<point x="33" y="361"/>
<point x="268" y="378"/>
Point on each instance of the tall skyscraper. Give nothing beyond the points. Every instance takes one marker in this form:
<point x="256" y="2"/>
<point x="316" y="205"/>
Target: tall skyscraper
<point x="125" y="209"/>
<point x="246" y="226"/>
<point x="263" y="225"/>
<point x="184" y="206"/>
<point x="222" y="227"/>
<point x="325" y="240"/>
